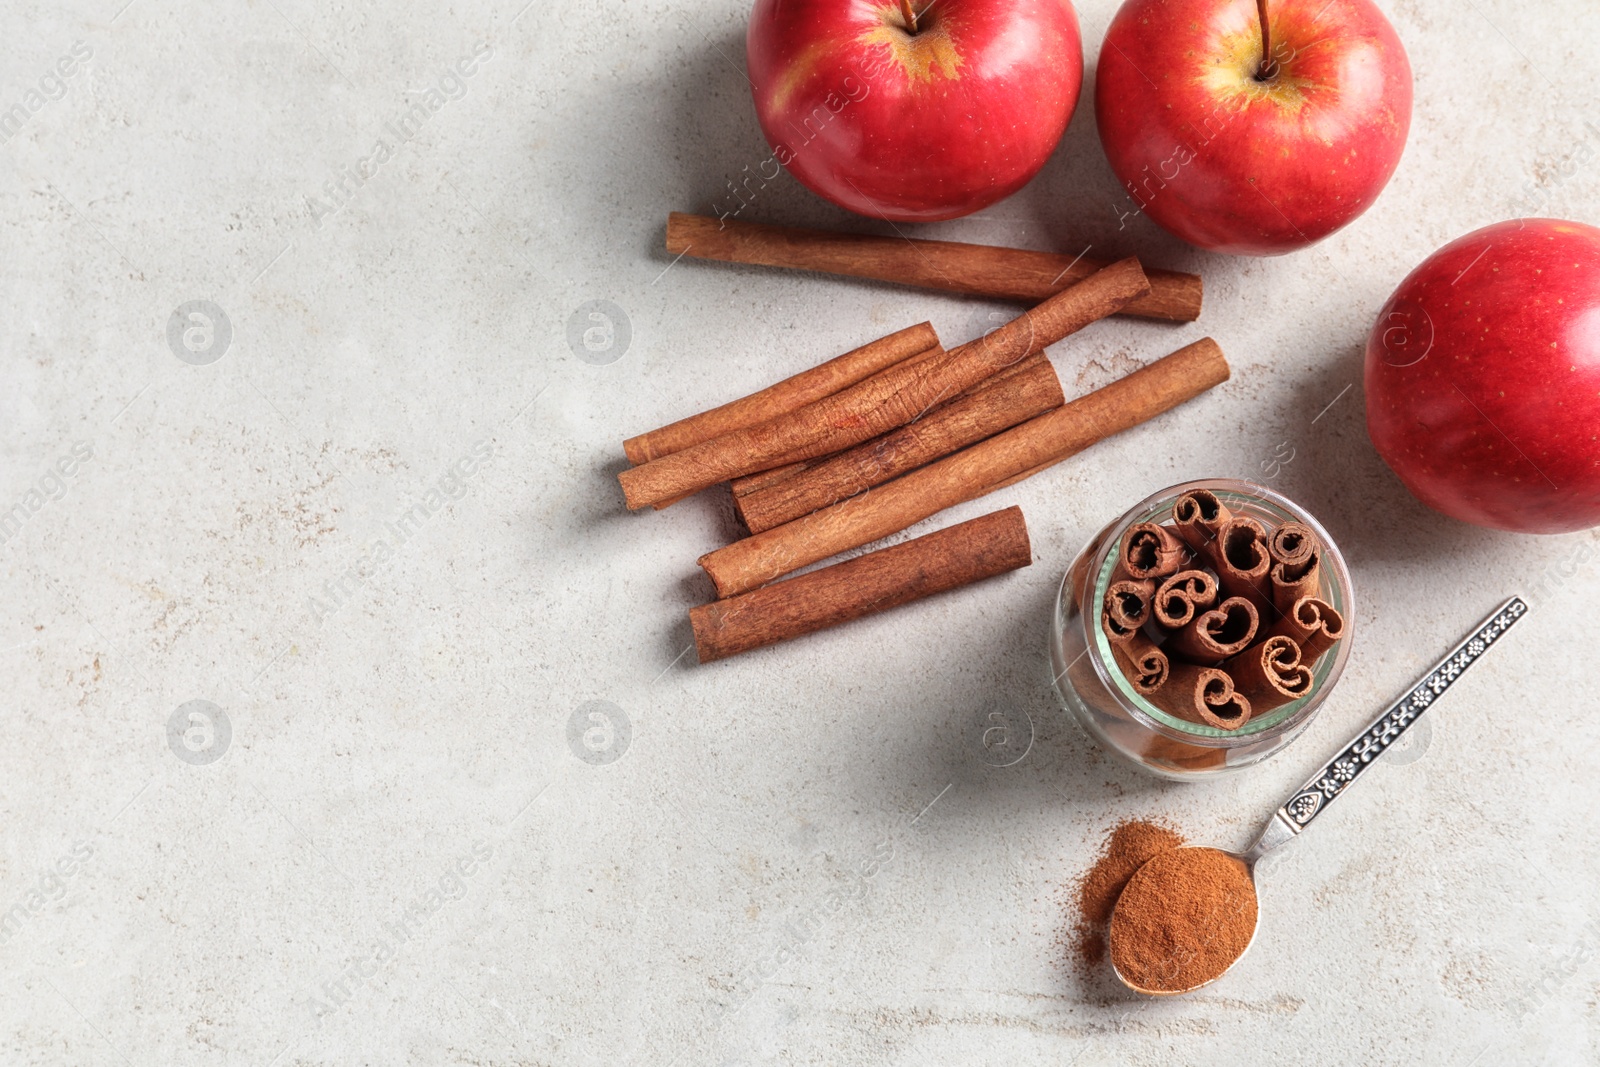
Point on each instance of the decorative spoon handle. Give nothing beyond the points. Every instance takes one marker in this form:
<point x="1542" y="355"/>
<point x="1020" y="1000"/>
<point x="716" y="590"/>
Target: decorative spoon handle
<point x="1313" y="798"/>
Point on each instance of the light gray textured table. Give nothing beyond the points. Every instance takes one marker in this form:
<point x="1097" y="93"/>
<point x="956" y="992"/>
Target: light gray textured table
<point x="398" y="855"/>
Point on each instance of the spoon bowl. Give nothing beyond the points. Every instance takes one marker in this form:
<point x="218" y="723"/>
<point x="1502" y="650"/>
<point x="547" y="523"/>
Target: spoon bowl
<point x="1248" y="860"/>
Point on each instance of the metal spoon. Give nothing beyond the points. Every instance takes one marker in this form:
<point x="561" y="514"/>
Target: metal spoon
<point x="1337" y="775"/>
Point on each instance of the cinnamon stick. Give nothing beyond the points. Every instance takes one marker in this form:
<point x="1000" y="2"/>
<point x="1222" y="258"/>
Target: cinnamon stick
<point x="1204" y="695"/>
<point x="1198" y="517"/>
<point x="970" y="473"/>
<point x="1240" y="558"/>
<point x="1011" y="399"/>
<point x="977" y="270"/>
<point x="1182" y="596"/>
<point x="1292" y="543"/>
<point x="751" y="483"/>
<point x="1212" y="636"/>
<point x="964" y="553"/>
<point x="1313" y="624"/>
<point x="1270" y="673"/>
<point x="1151" y="551"/>
<point x="786" y="402"/>
<point x="1293" y="582"/>
<point x="791" y="393"/>
<point x="887" y="400"/>
<point x="1144" y="665"/>
<point x="1127" y="606"/>
<point x="1296" y="564"/>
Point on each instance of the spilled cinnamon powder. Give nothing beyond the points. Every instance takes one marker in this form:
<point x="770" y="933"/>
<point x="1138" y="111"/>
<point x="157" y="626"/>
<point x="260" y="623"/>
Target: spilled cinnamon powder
<point x="1182" y="919"/>
<point x="1127" y="847"/>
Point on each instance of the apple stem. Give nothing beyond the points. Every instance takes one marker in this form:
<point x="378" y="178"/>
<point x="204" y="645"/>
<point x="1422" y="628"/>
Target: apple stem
<point x="1268" y="68"/>
<point x="909" y="15"/>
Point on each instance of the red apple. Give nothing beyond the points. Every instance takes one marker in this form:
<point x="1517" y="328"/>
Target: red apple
<point x="911" y="126"/>
<point x="1238" y="157"/>
<point x="1483" y="378"/>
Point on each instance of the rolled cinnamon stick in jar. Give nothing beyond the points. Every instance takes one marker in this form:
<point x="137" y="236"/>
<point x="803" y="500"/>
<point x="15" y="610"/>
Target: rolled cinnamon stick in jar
<point x="1126" y="608"/>
<point x="1293" y="582"/>
<point x="1182" y="596"/>
<point x="1240" y="558"/>
<point x="1143" y="664"/>
<point x="887" y="400"/>
<point x="1198" y="517"/>
<point x="1212" y="636"/>
<point x="970" y="473"/>
<point x="1151" y="551"/>
<point x="1313" y="624"/>
<point x="964" y="553"/>
<point x="1203" y="695"/>
<point x="1270" y="673"/>
<point x="1293" y="543"/>
<point x="794" y="392"/>
<point x="1011" y="399"/>
<point x="1127" y="605"/>
<point x="976" y="270"/>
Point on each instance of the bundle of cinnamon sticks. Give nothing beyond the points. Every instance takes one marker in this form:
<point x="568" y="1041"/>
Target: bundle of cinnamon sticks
<point x="873" y="441"/>
<point x="1214" y="618"/>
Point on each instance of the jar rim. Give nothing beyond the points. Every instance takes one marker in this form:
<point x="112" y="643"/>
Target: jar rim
<point x="1287" y="718"/>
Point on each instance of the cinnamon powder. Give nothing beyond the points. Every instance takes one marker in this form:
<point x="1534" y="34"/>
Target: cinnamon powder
<point x="1182" y="919"/>
<point x="1128" y="847"/>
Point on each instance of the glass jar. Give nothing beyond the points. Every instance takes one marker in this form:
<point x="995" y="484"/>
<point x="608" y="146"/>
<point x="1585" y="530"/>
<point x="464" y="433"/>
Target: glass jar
<point x="1104" y="702"/>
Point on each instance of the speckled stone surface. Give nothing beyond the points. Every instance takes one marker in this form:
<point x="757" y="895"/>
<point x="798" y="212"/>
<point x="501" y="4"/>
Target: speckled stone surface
<point x="374" y="526"/>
